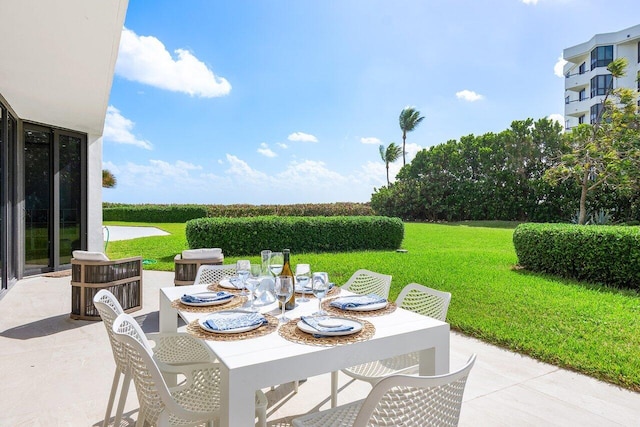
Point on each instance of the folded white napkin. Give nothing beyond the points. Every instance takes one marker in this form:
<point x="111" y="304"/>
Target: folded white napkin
<point x="356" y="301"/>
<point x="208" y="297"/>
<point x="227" y="320"/>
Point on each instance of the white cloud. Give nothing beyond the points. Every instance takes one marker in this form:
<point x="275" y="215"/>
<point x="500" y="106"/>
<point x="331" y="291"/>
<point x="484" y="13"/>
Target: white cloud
<point x="266" y="151"/>
<point x="302" y="137"/>
<point x="145" y="59"/>
<point x="558" y="68"/>
<point x="469" y="95"/>
<point x="370" y="140"/>
<point x="282" y="145"/>
<point x="117" y="128"/>
<point x="533" y="2"/>
<point x="241" y="171"/>
<point x="557" y="117"/>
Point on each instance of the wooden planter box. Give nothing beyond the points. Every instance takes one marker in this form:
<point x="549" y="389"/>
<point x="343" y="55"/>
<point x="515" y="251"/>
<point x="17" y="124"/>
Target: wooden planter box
<point x="186" y="269"/>
<point x="123" y="278"/>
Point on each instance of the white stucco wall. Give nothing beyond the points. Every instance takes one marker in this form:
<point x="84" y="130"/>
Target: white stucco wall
<point x="94" y="193"/>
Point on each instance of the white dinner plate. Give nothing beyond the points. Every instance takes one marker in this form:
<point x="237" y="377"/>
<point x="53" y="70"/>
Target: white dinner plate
<point x="368" y="307"/>
<point x="357" y="327"/>
<point x="226" y="283"/>
<point x="299" y="290"/>
<point x="226" y="331"/>
<point x="207" y="303"/>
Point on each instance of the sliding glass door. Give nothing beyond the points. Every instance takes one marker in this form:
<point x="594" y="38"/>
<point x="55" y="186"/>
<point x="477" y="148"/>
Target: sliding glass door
<point x="7" y="197"/>
<point x="55" y="197"/>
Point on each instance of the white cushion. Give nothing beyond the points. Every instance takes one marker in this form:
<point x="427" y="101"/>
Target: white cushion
<point x="204" y="253"/>
<point x="89" y="256"/>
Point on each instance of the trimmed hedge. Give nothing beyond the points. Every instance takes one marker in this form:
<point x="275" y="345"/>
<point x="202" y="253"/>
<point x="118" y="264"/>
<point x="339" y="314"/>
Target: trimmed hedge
<point x="597" y="254"/>
<point x="183" y="213"/>
<point x="152" y="213"/>
<point x="246" y="236"/>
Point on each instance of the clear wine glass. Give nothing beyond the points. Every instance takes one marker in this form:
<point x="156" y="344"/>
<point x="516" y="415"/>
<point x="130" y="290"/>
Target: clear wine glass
<point x="243" y="269"/>
<point x="303" y="276"/>
<point x="252" y="284"/>
<point x="283" y="291"/>
<point x="320" y="287"/>
<point x="276" y="262"/>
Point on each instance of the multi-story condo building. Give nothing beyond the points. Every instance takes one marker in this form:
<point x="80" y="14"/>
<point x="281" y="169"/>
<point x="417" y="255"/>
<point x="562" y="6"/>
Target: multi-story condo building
<point x="587" y="77"/>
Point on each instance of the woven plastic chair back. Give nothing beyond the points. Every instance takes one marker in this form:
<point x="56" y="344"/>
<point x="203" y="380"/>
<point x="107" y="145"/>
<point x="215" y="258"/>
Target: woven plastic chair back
<point x="208" y="274"/>
<point x="413" y="401"/>
<point x="369" y="282"/>
<point x="400" y="400"/>
<point x="190" y="405"/>
<point x="426" y="301"/>
<point x="109" y="308"/>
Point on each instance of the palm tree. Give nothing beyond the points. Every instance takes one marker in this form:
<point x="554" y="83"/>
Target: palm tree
<point x="409" y="119"/>
<point x="108" y="180"/>
<point x="390" y="155"/>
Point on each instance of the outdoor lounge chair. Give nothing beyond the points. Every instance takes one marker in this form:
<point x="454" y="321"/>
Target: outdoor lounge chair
<point x="93" y="271"/>
<point x="189" y="261"/>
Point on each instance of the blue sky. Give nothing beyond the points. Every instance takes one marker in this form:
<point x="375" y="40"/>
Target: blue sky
<point x="287" y="101"/>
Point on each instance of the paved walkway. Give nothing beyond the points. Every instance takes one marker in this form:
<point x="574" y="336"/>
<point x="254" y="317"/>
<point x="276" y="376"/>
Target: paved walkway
<point x="120" y="232"/>
<point x="57" y="372"/>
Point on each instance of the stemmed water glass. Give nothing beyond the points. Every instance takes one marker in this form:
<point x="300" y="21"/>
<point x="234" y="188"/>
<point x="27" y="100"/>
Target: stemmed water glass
<point x="252" y="284"/>
<point x="303" y="276"/>
<point x="276" y="262"/>
<point x="320" y="287"/>
<point x="283" y="291"/>
<point x="243" y="269"/>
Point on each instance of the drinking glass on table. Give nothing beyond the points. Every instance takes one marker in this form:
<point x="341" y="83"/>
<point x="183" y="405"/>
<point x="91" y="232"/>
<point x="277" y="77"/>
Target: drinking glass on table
<point x="243" y="269"/>
<point x="283" y="291"/>
<point x="320" y="287"/>
<point x="303" y="276"/>
<point x="276" y="261"/>
<point x="252" y="284"/>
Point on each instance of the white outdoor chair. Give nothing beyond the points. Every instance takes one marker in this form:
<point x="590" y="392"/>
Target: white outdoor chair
<point x="369" y="282"/>
<point x="414" y="297"/>
<point x="170" y="349"/>
<point x="400" y="400"/>
<point x="193" y="402"/>
<point x="208" y="274"/>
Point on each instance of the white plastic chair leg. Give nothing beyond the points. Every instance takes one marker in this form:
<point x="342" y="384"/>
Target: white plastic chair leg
<point x="334" y="389"/>
<point x="124" y="391"/>
<point x="112" y="397"/>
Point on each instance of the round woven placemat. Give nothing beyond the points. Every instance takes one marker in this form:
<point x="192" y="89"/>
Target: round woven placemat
<point x="217" y="288"/>
<point x="290" y="331"/>
<point x="235" y="302"/>
<point x="390" y="308"/>
<point x="194" y="329"/>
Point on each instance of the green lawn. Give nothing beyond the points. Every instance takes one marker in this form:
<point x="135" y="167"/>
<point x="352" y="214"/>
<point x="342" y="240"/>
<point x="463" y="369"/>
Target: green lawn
<point x="584" y="327"/>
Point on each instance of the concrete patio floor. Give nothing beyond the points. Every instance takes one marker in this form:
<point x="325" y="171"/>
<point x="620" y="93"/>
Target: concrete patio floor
<point x="57" y="372"/>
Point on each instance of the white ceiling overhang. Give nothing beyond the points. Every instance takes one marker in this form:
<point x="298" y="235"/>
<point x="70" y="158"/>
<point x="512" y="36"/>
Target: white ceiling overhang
<point x="57" y="59"/>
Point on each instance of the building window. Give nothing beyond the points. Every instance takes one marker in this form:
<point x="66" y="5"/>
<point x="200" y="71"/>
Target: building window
<point x="601" y="56"/>
<point x="581" y="119"/>
<point x="638" y="52"/>
<point x="600" y="84"/>
<point x="582" y="95"/>
<point x="583" y="67"/>
<point x="566" y="125"/>
<point x="595" y="112"/>
<point x="566" y="100"/>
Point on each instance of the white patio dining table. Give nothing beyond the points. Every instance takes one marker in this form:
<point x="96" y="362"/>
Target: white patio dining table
<point x="268" y="360"/>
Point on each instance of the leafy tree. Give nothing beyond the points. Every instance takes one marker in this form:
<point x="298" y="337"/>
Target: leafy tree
<point x="409" y="119"/>
<point x="389" y="155"/>
<point x="108" y="179"/>
<point x="607" y="152"/>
